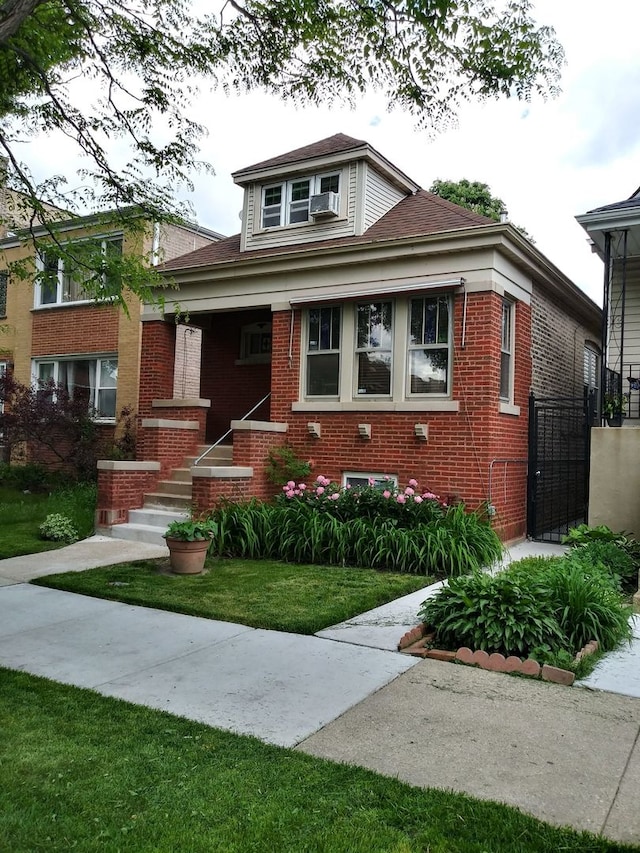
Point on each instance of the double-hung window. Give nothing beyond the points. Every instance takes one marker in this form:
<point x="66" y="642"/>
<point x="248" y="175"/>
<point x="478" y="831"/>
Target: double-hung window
<point x="287" y="202"/>
<point x="428" y="345"/>
<point x="323" y="351"/>
<point x="506" y="352"/>
<point x="91" y="379"/>
<point x="63" y="276"/>
<point x="374" y="348"/>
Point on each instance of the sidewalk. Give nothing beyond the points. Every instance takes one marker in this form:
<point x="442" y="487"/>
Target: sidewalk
<point x="568" y="756"/>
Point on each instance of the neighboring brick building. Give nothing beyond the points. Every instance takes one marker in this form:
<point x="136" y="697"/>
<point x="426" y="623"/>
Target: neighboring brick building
<point x="396" y="333"/>
<point x="52" y="330"/>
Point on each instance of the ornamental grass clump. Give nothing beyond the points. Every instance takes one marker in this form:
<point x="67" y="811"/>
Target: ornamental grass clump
<point x="540" y="607"/>
<point x="404" y="531"/>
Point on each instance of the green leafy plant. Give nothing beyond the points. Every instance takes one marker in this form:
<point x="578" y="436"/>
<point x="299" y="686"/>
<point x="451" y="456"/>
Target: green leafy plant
<point x="300" y="531"/>
<point x="192" y="529"/>
<point x="283" y="464"/>
<point x="494" y="613"/>
<point x="58" y="528"/>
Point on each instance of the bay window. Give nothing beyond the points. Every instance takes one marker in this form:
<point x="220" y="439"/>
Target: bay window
<point x="381" y="353"/>
<point x="91" y="379"/>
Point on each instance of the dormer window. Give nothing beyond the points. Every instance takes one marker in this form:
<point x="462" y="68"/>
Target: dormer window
<point x="287" y="202"/>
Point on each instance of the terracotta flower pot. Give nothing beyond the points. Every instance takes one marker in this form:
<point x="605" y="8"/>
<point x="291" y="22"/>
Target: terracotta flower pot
<point x="187" y="558"/>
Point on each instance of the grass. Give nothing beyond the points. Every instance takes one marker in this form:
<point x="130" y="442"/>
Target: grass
<point x="261" y="593"/>
<point x="22" y="513"/>
<point x="83" y="772"/>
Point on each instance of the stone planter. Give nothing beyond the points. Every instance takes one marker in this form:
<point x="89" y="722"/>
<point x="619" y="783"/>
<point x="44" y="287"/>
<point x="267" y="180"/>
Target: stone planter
<point x="187" y="558"/>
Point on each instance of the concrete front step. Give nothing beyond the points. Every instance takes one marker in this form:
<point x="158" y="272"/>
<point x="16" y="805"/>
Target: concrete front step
<point x="167" y="500"/>
<point x="147" y="525"/>
<point x="220" y="455"/>
<point x="175" y="487"/>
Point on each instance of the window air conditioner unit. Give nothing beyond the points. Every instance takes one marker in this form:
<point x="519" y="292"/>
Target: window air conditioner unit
<point x="324" y="204"/>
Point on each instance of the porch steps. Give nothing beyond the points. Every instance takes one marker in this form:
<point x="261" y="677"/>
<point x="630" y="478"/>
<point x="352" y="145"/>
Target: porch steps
<point x="171" y="500"/>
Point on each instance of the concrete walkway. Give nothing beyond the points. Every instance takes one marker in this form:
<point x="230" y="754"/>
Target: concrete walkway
<point x="568" y="756"/>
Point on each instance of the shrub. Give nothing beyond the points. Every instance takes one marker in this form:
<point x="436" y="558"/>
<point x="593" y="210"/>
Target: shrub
<point x="599" y="541"/>
<point x="309" y="531"/>
<point x="500" y="613"/>
<point x="283" y="464"/>
<point x="538" y="606"/>
<point x="58" y="528"/>
<point x="609" y="557"/>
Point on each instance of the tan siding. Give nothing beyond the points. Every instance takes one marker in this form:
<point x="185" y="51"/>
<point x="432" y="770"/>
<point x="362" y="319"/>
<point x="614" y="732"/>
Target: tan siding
<point x="309" y="232"/>
<point x="380" y="197"/>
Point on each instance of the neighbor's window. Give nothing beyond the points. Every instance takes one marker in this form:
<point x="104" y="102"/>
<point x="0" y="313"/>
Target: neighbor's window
<point x="591" y="369"/>
<point x="374" y="348"/>
<point x="428" y="345"/>
<point x="93" y="379"/>
<point x="62" y="279"/>
<point x="323" y="351"/>
<point x="287" y="202"/>
<point x="506" y="352"/>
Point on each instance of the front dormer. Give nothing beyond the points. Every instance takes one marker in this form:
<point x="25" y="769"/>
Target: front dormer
<point x="338" y="187"/>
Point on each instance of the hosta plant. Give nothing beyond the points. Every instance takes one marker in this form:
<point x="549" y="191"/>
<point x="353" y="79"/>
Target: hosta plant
<point x="58" y="528"/>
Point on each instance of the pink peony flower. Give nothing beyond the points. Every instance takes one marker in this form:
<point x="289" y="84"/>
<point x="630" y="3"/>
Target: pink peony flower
<point x="320" y="490"/>
<point x="291" y="484"/>
<point x="289" y="493"/>
<point x="429" y="496"/>
<point x="302" y="486"/>
<point x="372" y="482"/>
<point x="334" y="496"/>
<point x="417" y="499"/>
<point x="386" y="494"/>
<point x="409" y="491"/>
<point x="413" y="483"/>
<point x="401" y="499"/>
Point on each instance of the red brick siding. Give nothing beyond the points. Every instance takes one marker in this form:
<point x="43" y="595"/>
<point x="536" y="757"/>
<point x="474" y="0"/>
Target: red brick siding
<point x="156" y="365"/>
<point x="232" y="388"/>
<point x="119" y="491"/>
<point x="75" y="330"/>
<point x="457" y="457"/>
<point x="206" y="492"/>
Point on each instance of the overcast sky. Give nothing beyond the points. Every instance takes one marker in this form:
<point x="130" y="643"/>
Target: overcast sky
<point x="548" y="161"/>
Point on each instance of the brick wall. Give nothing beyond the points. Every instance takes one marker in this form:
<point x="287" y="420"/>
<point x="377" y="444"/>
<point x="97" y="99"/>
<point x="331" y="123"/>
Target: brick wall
<point x="232" y="388"/>
<point x="75" y="330"/>
<point x="557" y="346"/>
<point x="176" y="241"/>
<point x="456" y="459"/>
<point x="156" y="365"/>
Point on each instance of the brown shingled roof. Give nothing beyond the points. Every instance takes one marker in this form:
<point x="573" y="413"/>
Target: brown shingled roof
<point x="415" y="216"/>
<point x="335" y="144"/>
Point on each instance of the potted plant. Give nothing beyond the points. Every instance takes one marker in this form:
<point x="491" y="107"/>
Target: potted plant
<point x="613" y="407"/>
<point x="188" y="541"/>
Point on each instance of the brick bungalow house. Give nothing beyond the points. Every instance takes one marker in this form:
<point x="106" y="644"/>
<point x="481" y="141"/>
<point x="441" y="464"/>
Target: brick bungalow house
<point x="395" y="332"/>
<point x="52" y="330"/>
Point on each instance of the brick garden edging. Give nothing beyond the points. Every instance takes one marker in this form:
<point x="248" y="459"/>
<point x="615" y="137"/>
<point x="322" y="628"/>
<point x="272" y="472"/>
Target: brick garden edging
<point x="416" y="642"/>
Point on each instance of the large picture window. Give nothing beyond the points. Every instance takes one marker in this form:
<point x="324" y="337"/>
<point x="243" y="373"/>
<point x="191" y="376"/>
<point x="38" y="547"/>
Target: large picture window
<point x="62" y="279"/>
<point x="428" y="345"/>
<point x="92" y="379"/>
<point x="287" y="202"/>
<point x="323" y="351"/>
<point x="374" y="348"/>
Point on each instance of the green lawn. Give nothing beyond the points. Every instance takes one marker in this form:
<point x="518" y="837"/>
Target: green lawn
<point x="82" y="772"/>
<point x="261" y="593"/>
<point x="22" y="513"/>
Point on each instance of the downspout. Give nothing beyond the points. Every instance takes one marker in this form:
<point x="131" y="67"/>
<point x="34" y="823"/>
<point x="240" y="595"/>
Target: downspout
<point x="606" y="310"/>
<point x="624" y="299"/>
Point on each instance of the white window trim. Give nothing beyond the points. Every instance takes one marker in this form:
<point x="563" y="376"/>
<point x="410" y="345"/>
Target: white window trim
<point x="507" y="303"/>
<point x="40" y="268"/>
<point x="380" y="479"/>
<point x="399" y="400"/>
<point x="285" y="196"/>
<point x="55" y="360"/>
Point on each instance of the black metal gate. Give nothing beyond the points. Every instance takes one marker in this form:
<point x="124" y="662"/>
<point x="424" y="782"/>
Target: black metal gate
<point x="558" y="474"/>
